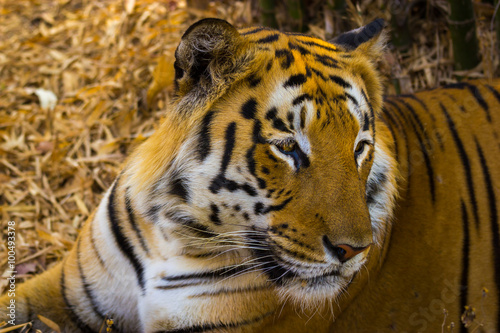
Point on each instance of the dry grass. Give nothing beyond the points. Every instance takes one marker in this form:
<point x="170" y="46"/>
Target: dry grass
<point x="99" y="58"/>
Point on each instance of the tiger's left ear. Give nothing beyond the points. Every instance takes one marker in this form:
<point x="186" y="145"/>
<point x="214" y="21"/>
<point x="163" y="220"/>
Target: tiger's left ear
<point x="369" y="39"/>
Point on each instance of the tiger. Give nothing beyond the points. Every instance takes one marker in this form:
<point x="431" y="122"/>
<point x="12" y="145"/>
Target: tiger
<point x="282" y="192"/>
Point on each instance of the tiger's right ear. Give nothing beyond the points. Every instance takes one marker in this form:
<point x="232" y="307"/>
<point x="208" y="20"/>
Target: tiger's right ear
<point x="210" y="56"/>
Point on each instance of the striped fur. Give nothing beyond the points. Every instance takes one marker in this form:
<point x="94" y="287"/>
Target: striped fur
<point x="281" y="193"/>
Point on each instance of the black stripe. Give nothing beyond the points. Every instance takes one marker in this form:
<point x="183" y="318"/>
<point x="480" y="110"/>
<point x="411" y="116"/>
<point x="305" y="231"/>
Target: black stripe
<point x="253" y="31"/>
<point x="287" y="54"/>
<point x="280" y="125"/>
<point x="269" y="65"/>
<point x="275" y="208"/>
<point x="464" y="280"/>
<point x="152" y="212"/>
<point x="353" y="100"/>
<point x="86" y="286"/>
<point x="319" y="74"/>
<point x="374" y="186"/>
<point x="465" y="163"/>
<point x="256" y="133"/>
<point x="94" y="247"/>
<point x="178" y="187"/>
<point x="211" y="326"/>
<point x="258" y="208"/>
<point x="225" y="291"/>
<point x="249" y="109"/>
<point x="393" y="117"/>
<point x="228" y="149"/>
<point x="419" y="101"/>
<point x="271" y="114"/>
<point x="268" y="39"/>
<point x="494" y="92"/>
<point x="311" y="43"/>
<point x="326" y="61"/>
<point x="251" y="166"/>
<point x="209" y="275"/>
<point x="295" y="81"/>
<point x="191" y="225"/>
<point x="123" y="242"/>
<point x="71" y="313"/>
<point x="253" y="80"/>
<point x="415" y="117"/>
<point x="222" y="182"/>
<point x="366" y="122"/>
<point x="133" y="223"/>
<point x="180" y="285"/>
<point x="308" y="71"/>
<point x="423" y="148"/>
<point x="294" y="254"/>
<point x="301" y="98"/>
<point x="301" y="50"/>
<point x="475" y="92"/>
<point x="214" y="217"/>
<point x="340" y="81"/>
<point x="204" y="141"/>
<point x="200" y="255"/>
<point x="290" y="117"/>
<point x="277" y="123"/>
<point x="495" y="237"/>
<point x="393" y="134"/>
<point x="372" y="112"/>
<point x="280" y="234"/>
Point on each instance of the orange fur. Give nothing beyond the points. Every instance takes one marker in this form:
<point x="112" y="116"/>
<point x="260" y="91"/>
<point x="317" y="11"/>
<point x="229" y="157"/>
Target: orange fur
<point x="280" y="193"/>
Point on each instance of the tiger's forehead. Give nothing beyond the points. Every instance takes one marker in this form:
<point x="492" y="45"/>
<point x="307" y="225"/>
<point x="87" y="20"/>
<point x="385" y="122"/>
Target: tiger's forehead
<point x="297" y="51"/>
<point x="294" y="41"/>
<point x="302" y="73"/>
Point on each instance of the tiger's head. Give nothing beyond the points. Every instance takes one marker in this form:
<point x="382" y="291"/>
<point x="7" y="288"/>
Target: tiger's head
<point x="272" y="153"/>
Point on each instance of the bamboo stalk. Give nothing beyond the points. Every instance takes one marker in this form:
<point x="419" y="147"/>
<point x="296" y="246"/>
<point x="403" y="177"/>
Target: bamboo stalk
<point x="268" y="13"/>
<point x="400" y="31"/>
<point x="462" y="25"/>
<point x="295" y="10"/>
<point x="339" y="5"/>
<point x="496" y="14"/>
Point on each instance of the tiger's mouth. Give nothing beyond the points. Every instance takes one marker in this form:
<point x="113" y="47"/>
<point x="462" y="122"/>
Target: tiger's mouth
<point x="299" y="280"/>
<point x="282" y="275"/>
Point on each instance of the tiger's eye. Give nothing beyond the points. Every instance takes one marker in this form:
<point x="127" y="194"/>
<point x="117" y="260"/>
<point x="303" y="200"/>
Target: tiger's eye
<point x="287" y="147"/>
<point x="359" y="148"/>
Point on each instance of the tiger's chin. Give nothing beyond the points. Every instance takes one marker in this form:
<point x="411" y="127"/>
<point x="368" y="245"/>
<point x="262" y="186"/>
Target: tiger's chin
<point x="312" y="292"/>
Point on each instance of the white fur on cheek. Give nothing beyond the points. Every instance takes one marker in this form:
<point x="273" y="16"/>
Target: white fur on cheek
<point x="381" y="209"/>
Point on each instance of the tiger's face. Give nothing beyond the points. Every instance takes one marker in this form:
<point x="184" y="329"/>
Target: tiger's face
<point x="289" y="171"/>
<point x="280" y="168"/>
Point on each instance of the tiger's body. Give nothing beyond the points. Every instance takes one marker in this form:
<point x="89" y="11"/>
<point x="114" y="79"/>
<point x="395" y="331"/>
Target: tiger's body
<point x="282" y="194"/>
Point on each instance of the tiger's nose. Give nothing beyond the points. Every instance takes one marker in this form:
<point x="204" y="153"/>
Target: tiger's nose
<point x="343" y="252"/>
